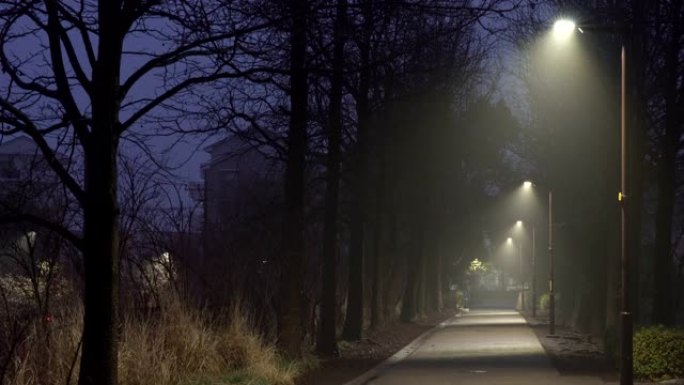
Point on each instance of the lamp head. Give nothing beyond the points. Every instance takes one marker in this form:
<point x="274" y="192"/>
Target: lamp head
<point x="563" y="29"/>
<point x="527" y="184"/>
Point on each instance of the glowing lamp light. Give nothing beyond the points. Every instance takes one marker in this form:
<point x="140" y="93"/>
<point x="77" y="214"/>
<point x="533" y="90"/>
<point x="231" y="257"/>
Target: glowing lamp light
<point x="563" y="29"/>
<point x="527" y="184"/>
<point x="519" y="223"/>
<point x="509" y="240"/>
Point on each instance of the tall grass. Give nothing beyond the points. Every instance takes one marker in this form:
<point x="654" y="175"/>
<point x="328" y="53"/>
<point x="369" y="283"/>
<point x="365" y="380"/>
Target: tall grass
<point x="178" y="346"/>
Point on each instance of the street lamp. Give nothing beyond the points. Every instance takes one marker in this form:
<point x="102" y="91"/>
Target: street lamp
<point x="520" y="224"/>
<point x="563" y="29"/>
<point x="566" y="28"/>
<point x="552" y="296"/>
<point x="520" y="262"/>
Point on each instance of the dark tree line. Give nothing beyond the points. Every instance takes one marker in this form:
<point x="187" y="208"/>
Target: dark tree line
<point x="384" y="83"/>
<point x="367" y="97"/>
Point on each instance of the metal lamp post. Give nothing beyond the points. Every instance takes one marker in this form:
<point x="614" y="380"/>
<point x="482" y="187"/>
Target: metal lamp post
<point x="552" y="297"/>
<point x="534" y="273"/>
<point x="626" y="362"/>
<point x="520" y="267"/>
<point x="533" y="267"/>
<point x="566" y="27"/>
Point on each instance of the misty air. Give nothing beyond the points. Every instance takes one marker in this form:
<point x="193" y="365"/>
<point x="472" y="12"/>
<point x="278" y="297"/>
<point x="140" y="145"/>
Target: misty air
<point x="341" y="192"/>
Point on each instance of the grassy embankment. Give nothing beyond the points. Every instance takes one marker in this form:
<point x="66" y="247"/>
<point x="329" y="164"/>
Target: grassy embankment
<point x="178" y="346"/>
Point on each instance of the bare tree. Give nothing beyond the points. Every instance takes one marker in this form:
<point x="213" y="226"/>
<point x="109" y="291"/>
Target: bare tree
<point x="93" y="71"/>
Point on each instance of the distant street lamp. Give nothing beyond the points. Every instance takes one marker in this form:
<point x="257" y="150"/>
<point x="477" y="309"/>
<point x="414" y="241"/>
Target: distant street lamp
<point x="563" y="29"/>
<point x="552" y="297"/>
<point x="520" y="262"/>
<point x="520" y="223"/>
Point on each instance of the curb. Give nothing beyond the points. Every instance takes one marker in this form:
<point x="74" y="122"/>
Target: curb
<point x="403" y="353"/>
<point x="675" y="381"/>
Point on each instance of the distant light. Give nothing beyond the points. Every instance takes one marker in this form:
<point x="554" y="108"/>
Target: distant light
<point x="509" y="240"/>
<point x="527" y="184"/>
<point x="519" y="223"/>
<point x="166" y="257"/>
<point x="563" y="29"/>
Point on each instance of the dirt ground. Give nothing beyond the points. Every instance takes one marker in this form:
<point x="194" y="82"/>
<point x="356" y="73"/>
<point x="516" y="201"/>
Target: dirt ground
<point x="376" y="346"/>
<point x="574" y="353"/>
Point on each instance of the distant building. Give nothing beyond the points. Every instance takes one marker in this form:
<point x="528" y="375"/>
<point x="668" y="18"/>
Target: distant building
<point x="241" y="199"/>
<point x="21" y="161"/>
<point x="29" y="187"/>
<point x="236" y="177"/>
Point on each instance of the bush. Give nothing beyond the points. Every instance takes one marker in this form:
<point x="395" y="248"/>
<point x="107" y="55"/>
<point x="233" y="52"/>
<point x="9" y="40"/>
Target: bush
<point x="659" y="353"/>
<point x="460" y="299"/>
<point x="545" y="300"/>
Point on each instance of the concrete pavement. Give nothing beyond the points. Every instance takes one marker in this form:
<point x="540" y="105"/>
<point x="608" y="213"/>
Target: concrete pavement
<point x="485" y="346"/>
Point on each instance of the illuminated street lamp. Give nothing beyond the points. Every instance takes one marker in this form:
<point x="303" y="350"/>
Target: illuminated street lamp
<point x="510" y="241"/>
<point x="562" y="30"/>
<point x="520" y="224"/>
<point x="552" y="297"/>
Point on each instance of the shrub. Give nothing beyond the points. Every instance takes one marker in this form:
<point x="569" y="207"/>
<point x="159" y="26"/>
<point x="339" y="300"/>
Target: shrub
<point x="545" y="301"/>
<point x="659" y="353"/>
<point x="460" y="299"/>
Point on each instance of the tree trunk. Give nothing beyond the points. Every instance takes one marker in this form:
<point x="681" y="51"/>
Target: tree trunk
<point x="99" y="361"/>
<point x="391" y="250"/>
<point x="432" y="282"/>
<point x="409" y="305"/>
<point x="290" y="314"/>
<point x="421" y="302"/>
<point x="378" y="241"/>
<point x="99" y="358"/>
<point x="667" y="181"/>
<point x="440" y="297"/>
<point x="353" y="323"/>
<point x="382" y="206"/>
<point x="638" y="131"/>
<point x="327" y="339"/>
<point x="662" y="296"/>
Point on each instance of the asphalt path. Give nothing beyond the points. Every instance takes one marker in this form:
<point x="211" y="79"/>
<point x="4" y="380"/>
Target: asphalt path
<point x="482" y="346"/>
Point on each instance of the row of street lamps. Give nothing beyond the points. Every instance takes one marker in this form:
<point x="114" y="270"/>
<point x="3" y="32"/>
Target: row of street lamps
<point x="563" y="30"/>
<point x="527" y="185"/>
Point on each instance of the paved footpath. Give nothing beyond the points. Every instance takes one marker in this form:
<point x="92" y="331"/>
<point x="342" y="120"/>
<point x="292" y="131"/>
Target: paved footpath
<point x="485" y="346"/>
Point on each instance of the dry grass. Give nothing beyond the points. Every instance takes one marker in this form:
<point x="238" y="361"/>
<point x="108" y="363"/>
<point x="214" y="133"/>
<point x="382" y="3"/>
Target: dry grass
<point x="180" y="346"/>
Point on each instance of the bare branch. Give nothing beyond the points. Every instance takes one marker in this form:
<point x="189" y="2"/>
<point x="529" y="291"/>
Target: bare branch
<point x="28" y="127"/>
<point x="44" y="223"/>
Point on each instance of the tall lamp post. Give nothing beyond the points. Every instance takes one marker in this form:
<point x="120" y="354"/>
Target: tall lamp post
<point x="533" y="268"/>
<point x="552" y="298"/>
<point x="566" y="28"/>
<point x="520" y="266"/>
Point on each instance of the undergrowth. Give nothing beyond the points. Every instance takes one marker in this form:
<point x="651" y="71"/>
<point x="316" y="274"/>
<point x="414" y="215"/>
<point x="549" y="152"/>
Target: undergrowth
<point x="178" y="346"/>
